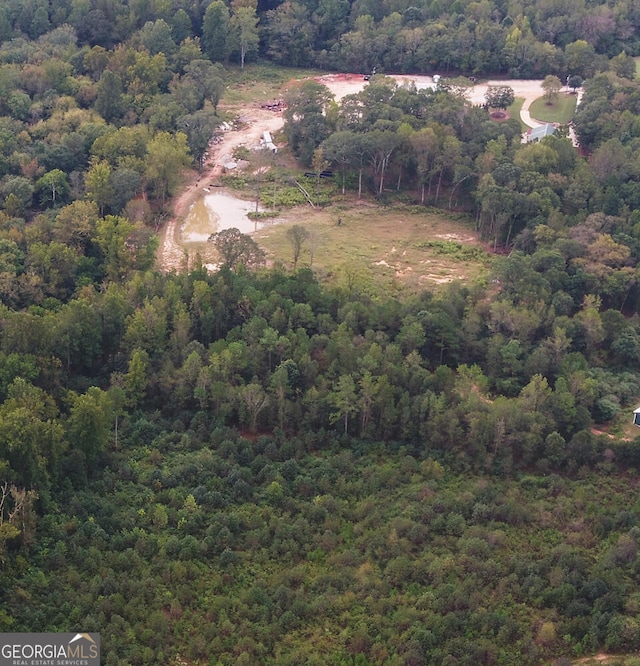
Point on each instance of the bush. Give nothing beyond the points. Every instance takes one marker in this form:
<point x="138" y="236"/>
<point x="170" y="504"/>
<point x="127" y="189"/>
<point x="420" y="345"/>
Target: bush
<point x="606" y="409"/>
<point x="241" y="153"/>
<point x="263" y="215"/>
<point x="454" y="250"/>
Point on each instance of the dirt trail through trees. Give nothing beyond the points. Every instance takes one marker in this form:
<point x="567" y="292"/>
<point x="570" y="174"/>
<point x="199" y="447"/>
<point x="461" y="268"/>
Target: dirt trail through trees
<point x="255" y="121"/>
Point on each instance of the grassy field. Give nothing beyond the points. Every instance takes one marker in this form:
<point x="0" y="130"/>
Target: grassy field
<point x="376" y="248"/>
<point x="561" y="110"/>
<point x="514" y="112"/>
<point x="259" y="83"/>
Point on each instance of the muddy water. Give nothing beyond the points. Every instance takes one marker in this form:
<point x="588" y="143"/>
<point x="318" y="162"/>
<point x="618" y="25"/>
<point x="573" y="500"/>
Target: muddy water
<point x="215" y="212"/>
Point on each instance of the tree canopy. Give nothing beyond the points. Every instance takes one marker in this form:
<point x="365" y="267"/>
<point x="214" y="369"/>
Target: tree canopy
<point x="267" y="465"/>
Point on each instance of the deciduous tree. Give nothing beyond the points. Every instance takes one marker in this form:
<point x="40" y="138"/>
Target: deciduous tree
<point x="157" y="37"/>
<point x="499" y="97"/>
<point x="216" y="32"/>
<point x="53" y="187"/>
<point x="552" y="87"/>
<point x="574" y="82"/>
<point x="31" y="437"/>
<point x="339" y="148"/>
<point x="88" y="424"/>
<point x="109" y="96"/>
<point x="296" y="235"/>
<point x="209" y="79"/>
<point x="306" y="125"/>
<point x="245" y="24"/>
<point x="21" y="188"/>
<point x="98" y="185"/>
<point x="113" y="234"/>
<point x="344" y="399"/>
<point x="199" y="128"/>
<point x="254" y="399"/>
<point x="289" y="34"/>
<point x="319" y="164"/>
<point x="382" y="145"/>
<point x="167" y="156"/>
<point x="236" y="248"/>
<point x="424" y="143"/>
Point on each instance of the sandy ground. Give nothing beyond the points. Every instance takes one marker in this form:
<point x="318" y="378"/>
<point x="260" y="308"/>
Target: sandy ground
<point x="598" y="657"/>
<point x="256" y="121"/>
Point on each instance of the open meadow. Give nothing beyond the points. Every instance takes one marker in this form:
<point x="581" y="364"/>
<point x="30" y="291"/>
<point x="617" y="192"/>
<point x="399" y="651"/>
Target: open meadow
<point x="398" y="248"/>
<point x="259" y="83"/>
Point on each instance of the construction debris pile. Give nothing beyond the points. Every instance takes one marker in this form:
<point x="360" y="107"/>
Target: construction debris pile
<point x="273" y="105"/>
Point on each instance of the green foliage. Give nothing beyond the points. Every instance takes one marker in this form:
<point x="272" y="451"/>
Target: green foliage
<point x="167" y="156"/>
<point x="273" y="194"/>
<point x="53" y="187"/>
<point x="263" y="214"/>
<point x="307" y="473"/>
<point x="235" y="249"/>
<point x="456" y="250"/>
<point x="380" y="453"/>
<point x="499" y="97"/>
<point x="286" y="196"/>
<point x="241" y="153"/>
<point x="306" y="122"/>
<point x="216" y="35"/>
<point x="88" y="424"/>
<point x="199" y="128"/>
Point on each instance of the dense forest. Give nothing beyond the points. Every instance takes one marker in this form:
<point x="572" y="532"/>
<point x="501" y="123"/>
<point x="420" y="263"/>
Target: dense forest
<point x="523" y="38"/>
<point x="406" y="474"/>
<point x="253" y="466"/>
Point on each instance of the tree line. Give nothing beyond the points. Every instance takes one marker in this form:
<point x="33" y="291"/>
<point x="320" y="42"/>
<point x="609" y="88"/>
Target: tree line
<point x="530" y="39"/>
<point x="497" y="385"/>
<point x="111" y="126"/>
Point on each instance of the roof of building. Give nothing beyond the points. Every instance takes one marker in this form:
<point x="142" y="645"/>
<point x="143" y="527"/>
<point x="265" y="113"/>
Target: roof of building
<point x="537" y="133"/>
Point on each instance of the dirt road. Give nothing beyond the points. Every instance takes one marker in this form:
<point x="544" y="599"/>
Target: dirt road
<point x="256" y="121"/>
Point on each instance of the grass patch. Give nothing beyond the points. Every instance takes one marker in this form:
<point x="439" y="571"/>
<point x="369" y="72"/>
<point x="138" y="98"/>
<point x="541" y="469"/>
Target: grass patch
<point x="279" y="189"/>
<point x="382" y="250"/>
<point x="260" y="82"/>
<point x="263" y="214"/>
<point x="560" y="111"/>
<point x="399" y="248"/>
<point x="514" y="112"/>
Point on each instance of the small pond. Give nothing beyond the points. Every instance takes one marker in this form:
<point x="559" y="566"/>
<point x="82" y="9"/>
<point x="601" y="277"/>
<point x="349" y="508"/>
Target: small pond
<point x="215" y="212"/>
